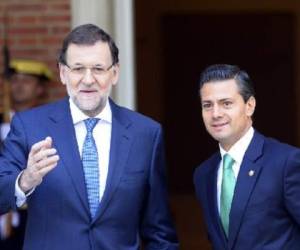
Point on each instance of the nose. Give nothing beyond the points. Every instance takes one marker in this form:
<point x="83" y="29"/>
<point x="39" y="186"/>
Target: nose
<point x="88" y="77"/>
<point x="216" y="112"/>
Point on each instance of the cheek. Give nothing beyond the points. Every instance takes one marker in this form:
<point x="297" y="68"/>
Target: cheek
<point x="241" y="122"/>
<point x="106" y="83"/>
<point x="206" y="118"/>
<point x="70" y="83"/>
<point x="72" y="88"/>
<point x="104" y="86"/>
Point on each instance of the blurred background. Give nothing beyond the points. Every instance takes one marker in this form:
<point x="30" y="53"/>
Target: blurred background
<point x="164" y="46"/>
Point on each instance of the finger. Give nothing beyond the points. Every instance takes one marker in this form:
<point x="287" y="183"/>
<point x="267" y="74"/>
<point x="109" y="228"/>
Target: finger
<point x="48" y="142"/>
<point x="39" y="145"/>
<point x="44" y="171"/>
<point x="46" y="162"/>
<point x="42" y="154"/>
<point x="32" y="176"/>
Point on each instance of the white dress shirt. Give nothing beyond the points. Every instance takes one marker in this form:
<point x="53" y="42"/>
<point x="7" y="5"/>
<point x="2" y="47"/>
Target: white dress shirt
<point x="102" y="136"/>
<point x="237" y="152"/>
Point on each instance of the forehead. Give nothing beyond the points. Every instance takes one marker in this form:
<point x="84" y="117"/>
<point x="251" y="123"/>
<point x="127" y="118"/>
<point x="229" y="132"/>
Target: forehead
<point x="96" y="53"/>
<point x="219" y="90"/>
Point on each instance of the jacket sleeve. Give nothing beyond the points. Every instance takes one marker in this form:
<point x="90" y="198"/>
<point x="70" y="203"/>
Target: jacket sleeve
<point x="292" y="184"/>
<point x="157" y="230"/>
<point x="13" y="160"/>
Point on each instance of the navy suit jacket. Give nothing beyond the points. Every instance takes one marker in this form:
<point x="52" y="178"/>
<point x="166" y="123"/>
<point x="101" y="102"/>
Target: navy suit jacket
<point x="265" y="212"/>
<point x="134" y="205"/>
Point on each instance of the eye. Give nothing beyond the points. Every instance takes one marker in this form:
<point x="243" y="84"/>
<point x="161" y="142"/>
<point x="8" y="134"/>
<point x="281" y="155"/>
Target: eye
<point x="78" y="69"/>
<point x="206" y="105"/>
<point x="227" y="104"/>
<point x="98" y="70"/>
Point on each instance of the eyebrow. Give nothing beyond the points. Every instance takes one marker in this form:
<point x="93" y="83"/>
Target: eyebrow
<point x="219" y="100"/>
<point x="94" y="65"/>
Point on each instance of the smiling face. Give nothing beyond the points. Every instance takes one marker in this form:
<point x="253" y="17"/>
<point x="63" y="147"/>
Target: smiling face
<point x="227" y="117"/>
<point x="88" y="88"/>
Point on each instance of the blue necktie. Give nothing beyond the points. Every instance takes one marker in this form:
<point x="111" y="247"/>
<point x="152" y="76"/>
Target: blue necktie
<point x="91" y="166"/>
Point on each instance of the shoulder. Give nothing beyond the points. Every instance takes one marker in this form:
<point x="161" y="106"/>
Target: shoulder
<point x="136" y="119"/>
<point x="56" y="106"/>
<point x="41" y="114"/>
<point x="207" y="166"/>
<point x="204" y="175"/>
<point x="272" y="152"/>
<point x="275" y="146"/>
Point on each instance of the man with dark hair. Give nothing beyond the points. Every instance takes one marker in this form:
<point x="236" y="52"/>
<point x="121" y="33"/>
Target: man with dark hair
<point x="249" y="191"/>
<point x="92" y="172"/>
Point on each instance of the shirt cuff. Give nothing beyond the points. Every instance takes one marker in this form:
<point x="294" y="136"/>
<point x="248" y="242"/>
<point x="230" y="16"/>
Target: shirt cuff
<point x="21" y="197"/>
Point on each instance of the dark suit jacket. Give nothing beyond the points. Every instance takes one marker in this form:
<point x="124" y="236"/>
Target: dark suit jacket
<point x="265" y="212"/>
<point x="134" y="205"/>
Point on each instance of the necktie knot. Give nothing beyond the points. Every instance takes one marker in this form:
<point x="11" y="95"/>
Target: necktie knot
<point x="90" y="124"/>
<point x="228" y="161"/>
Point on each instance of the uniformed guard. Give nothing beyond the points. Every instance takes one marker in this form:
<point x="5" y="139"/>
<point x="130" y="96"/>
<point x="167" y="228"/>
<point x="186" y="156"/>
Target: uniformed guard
<point x="27" y="85"/>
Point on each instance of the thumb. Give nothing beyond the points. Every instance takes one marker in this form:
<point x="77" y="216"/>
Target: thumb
<point x="48" y="142"/>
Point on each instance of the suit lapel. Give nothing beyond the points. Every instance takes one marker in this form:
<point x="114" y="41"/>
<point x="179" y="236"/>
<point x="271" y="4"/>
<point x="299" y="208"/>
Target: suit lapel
<point x="64" y="138"/>
<point x="248" y="175"/>
<point x="119" y="150"/>
<point x="212" y="197"/>
<point x="61" y="127"/>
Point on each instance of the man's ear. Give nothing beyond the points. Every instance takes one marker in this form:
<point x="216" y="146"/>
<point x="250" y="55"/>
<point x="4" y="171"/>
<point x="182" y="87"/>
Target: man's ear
<point x="116" y="73"/>
<point x="62" y="73"/>
<point x="251" y="104"/>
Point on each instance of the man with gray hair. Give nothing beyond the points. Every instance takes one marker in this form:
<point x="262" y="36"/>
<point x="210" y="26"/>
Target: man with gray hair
<point x="91" y="172"/>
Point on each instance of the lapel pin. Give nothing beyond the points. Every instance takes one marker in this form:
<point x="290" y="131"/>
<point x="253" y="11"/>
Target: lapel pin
<point x="251" y="173"/>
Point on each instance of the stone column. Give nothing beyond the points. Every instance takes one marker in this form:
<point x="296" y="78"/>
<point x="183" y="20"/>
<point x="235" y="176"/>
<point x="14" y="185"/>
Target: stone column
<point x="115" y="17"/>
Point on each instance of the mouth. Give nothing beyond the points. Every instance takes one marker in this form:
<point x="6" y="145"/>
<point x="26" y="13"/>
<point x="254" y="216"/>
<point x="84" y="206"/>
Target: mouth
<point x="219" y="126"/>
<point x="88" y="91"/>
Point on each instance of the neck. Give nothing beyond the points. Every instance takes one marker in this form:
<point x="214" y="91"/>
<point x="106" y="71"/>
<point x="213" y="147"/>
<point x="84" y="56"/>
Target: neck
<point x="226" y="145"/>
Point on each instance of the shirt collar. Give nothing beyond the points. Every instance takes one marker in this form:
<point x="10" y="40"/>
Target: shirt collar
<point x="79" y="116"/>
<point x="238" y="150"/>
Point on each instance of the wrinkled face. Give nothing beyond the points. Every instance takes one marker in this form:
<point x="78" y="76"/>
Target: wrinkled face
<point x="24" y="88"/>
<point x="89" y="76"/>
<point x="225" y="114"/>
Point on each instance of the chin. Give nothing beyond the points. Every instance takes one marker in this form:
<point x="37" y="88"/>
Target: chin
<point x="222" y="139"/>
<point x="89" y="108"/>
<point x="93" y="105"/>
<point x="92" y="109"/>
<point x="217" y="135"/>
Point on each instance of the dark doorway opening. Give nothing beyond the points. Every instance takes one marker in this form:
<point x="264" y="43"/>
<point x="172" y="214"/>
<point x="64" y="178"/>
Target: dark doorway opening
<point x="260" y="43"/>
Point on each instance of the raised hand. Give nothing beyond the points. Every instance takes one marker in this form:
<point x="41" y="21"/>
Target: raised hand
<point x="41" y="160"/>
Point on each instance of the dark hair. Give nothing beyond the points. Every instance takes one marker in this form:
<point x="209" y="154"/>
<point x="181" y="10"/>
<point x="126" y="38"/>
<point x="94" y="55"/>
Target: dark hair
<point x="221" y="72"/>
<point x="88" y="34"/>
